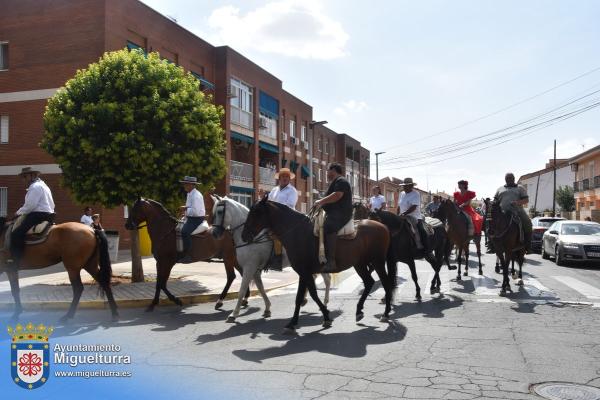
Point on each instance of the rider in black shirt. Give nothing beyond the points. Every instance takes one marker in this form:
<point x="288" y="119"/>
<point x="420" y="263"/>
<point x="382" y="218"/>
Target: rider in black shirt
<point x="337" y="203"/>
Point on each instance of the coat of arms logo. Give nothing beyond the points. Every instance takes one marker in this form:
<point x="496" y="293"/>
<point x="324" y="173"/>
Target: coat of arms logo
<point x="30" y="355"/>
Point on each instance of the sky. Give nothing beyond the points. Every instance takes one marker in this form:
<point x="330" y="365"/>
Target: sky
<point x="408" y="77"/>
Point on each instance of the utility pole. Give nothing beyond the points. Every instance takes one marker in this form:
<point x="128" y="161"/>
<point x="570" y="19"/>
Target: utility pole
<point x="554" y="186"/>
<point x="377" y="165"/>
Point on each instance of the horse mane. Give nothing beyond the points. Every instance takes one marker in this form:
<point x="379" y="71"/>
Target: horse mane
<point x="161" y="208"/>
<point x="289" y="211"/>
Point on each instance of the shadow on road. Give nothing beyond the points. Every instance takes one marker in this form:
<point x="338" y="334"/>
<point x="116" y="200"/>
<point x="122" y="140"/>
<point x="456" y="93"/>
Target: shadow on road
<point x="432" y="308"/>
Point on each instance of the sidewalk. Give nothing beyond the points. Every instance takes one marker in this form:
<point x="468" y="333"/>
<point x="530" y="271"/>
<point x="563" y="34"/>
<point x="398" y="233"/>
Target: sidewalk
<point x="200" y="282"/>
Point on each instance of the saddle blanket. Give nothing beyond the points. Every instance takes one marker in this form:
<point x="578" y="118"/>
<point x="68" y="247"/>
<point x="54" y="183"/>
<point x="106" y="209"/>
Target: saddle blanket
<point x="203" y="227"/>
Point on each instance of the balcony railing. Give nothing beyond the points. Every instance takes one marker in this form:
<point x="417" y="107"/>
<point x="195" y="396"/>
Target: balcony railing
<point x="241" y="171"/>
<point x="576" y="186"/>
<point x="241" y="117"/>
<point x="585" y="184"/>
<point x="266" y="176"/>
<point x="597" y="181"/>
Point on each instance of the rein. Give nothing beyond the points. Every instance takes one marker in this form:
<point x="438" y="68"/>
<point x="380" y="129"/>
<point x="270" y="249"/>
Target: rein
<point x="264" y="238"/>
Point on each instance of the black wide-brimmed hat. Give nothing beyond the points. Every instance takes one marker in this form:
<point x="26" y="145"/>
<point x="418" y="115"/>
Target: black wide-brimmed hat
<point x="189" y="179"/>
<point x="29" y="170"/>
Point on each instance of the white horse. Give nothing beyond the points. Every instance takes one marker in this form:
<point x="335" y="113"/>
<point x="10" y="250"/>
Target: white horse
<point x="252" y="257"/>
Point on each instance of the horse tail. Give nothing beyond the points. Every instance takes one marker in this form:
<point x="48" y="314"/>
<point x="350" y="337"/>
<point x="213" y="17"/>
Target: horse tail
<point x="105" y="266"/>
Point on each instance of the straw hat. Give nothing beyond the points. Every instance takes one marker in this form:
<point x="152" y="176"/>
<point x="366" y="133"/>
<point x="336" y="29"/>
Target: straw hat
<point x="189" y="179"/>
<point x="285" y="171"/>
<point x="29" y="170"/>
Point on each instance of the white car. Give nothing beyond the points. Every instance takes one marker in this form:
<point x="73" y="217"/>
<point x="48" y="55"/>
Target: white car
<point x="572" y="241"/>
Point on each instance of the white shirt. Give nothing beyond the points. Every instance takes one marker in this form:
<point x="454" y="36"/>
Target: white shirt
<point x="377" y="202"/>
<point x="288" y="195"/>
<point x="86" y="219"/>
<point x="195" y="204"/>
<point x="407" y="200"/>
<point x="37" y="199"/>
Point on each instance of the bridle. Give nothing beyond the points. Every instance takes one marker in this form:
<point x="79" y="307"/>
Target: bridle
<point x="264" y="238"/>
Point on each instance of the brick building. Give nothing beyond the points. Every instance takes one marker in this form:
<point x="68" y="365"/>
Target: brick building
<point x="44" y="42"/>
<point x="586" y="183"/>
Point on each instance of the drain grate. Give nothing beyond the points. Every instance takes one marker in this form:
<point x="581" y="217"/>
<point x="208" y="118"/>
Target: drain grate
<point x="566" y="391"/>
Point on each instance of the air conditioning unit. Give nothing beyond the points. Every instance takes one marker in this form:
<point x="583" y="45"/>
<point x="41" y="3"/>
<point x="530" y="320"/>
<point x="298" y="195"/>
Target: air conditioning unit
<point x="306" y="146"/>
<point x="284" y="137"/>
<point x="231" y="91"/>
<point x="293" y="140"/>
<point x="263" y="122"/>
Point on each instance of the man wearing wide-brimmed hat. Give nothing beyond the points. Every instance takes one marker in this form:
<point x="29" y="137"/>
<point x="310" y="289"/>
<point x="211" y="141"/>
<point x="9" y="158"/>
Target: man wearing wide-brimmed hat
<point x="409" y="206"/>
<point x="38" y="207"/>
<point x="194" y="214"/>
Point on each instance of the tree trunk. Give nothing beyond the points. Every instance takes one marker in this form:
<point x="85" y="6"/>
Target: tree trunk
<point x="137" y="270"/>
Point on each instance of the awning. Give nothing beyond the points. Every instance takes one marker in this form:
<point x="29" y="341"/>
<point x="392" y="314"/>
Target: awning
<point x="268" y="105"/>
<point x="293" y="166"/>
<point x="204" y="82"/>
<point x="243" y="138"/>
<point x="268" y="147"/>
<point x="283" y="163"/>
<point x="240" y="189"/>
<point x="305" y="172"/>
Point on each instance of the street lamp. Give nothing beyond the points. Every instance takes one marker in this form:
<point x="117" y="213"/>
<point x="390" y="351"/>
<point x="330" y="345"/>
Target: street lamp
<point x="312" y="125"/>
<point x="377" y="165"/>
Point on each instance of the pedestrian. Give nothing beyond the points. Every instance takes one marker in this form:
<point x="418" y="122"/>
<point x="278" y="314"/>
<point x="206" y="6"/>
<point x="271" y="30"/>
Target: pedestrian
<point x="86" y="218"/>
<point x="431" y="208"/>
<point x="96" y="223"/>
<point x="377" y="201"/>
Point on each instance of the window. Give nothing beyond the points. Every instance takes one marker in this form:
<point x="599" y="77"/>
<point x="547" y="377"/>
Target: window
<point x="268" y="126"/>
<point x="326" y="146"/>
<point x="303" y="133"/>
<point x="320" y="145"/>
<point x="241" y="102"/>
<point x="3" y="201"/>
<point x="243" y="198"/>
<point x="3" y="56"/>
<point x="292" y="128"/>
<point x="3" y="129"/>
<point x="320" y="175"/>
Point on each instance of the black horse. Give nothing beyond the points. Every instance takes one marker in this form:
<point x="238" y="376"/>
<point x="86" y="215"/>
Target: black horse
<point x="403" y="248"/>
<point x="295" y="230"/>
<point x="505" y="235"/>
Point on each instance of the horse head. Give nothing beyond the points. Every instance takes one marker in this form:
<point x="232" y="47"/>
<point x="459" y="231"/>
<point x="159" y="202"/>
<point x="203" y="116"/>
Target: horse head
<point x="227" y="213"/>
<point x="257" y="220"/>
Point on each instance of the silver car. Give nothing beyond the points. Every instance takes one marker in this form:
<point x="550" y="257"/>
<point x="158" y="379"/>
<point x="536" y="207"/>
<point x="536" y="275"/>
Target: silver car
<point x="572" y="241"/>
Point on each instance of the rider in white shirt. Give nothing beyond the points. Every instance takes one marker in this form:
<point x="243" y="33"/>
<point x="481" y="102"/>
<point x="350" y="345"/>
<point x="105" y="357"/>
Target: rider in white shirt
<point x="377" y="201"/>
<point x="194" y="213"/>
<point x="410" y="207"/>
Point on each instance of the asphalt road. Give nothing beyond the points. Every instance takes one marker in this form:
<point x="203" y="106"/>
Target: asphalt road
<point x="466" y="343"/>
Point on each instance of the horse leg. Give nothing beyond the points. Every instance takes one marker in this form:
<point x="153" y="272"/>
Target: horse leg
<point x="478" y="246"/>
<point x="290" y="328"/>
<point x="459" y="258"/>
<point x="163" y="277"/>
<point x="466" y="251"/>
<point x="263" y="293"/>
<point x="388" y="286"/>
<point x="504" y="260"/>
<point x="312" y="290"/>
<point x="150" y="307"/>
<point x="230" y="278"/>
<point x="415" y="278"/>
<point x="436" y="277"/>
<point x="92" y="268"/>
<point x="246" y="296"/>
<point x="77" y="285"/>
<point x="512" y="270"/>
<point x="368" y="281"/>
<point x="244" y="286"/>
<point x="13" y="278"/>
<point x="327" y="280"/>
<point x="498" y="265"/>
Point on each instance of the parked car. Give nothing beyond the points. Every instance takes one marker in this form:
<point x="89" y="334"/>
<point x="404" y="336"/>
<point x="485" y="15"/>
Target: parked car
<point x="572" y="241"/>
<point x="540" y="226"/>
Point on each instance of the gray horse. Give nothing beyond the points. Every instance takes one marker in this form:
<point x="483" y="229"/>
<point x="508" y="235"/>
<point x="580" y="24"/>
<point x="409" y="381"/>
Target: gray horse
<point x="252" y="257"/>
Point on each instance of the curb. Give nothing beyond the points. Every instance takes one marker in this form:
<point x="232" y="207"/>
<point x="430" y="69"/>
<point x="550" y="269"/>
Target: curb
<point x="133" y="303"/>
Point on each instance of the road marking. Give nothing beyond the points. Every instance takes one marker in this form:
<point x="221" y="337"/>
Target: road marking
<point x="484" y="286"/>
<point x="585" y="289"/>
<point x="348" y="285"/>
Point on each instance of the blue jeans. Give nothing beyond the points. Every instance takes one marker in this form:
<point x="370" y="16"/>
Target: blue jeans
<point x="186" y="232"/>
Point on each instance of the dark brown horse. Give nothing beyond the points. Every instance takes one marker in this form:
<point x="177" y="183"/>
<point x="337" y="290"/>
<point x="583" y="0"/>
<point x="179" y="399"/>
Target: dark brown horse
<point x="78" y="247"/>
<point x="295" y="230"/>
<point x="458" y="233"/>
<point x="360" y="211"/>
<point x="505" y="235"/>
<point x="161" y="227"/>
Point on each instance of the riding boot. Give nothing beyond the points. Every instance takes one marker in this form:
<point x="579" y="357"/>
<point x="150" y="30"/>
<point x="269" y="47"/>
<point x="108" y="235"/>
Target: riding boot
<point x="330" y="245"/>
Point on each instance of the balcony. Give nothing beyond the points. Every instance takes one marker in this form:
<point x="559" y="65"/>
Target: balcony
<point x="266" y="176"/>
<point x="585" y="184"/>
<point x="241" y="174"/>
<point x="241" y="117"/>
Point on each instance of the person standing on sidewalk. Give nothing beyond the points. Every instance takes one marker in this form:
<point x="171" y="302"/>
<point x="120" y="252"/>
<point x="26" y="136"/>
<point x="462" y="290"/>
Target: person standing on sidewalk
<point x="86" y="218"/>
<point x="194" y="214"/>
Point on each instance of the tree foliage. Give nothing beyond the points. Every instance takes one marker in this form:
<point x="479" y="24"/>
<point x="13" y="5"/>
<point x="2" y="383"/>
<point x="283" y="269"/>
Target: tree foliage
<point x="565" y="198"/>
<point x="133" y="125"/>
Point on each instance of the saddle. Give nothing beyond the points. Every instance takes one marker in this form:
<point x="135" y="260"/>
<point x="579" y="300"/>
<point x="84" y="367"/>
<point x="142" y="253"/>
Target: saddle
<point x="348" y="232"/>
<point x="38" y="234"/>
<point x="200" y="230"/>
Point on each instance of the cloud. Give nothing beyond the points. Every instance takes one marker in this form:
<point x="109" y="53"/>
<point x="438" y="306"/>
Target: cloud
<point x="351" y="106"/>
<point x="570" y="148"/>
<point x="291" y="28"/>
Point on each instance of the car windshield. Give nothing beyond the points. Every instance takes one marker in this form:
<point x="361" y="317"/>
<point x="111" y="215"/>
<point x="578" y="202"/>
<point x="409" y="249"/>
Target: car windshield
<point x="545" y="223"/>
<point x="580" y="229"/>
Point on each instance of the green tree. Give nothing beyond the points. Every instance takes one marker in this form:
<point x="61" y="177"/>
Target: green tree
<point x="565" y="198"/>
<point x="132" y="125"/>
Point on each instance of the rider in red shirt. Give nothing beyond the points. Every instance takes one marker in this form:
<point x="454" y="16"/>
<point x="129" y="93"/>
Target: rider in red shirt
<point x="463" y="199"/>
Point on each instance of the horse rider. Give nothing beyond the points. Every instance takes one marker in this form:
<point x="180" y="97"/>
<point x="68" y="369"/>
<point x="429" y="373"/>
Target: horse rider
<point x="512" y="198"/>
<point x="38" y="207"/>
<point x="284" y="193"/>
<point x="431" y="208"/>
<point x="463" y="198"/>
<point x="409" y="206"/>
<point x="194" y="213"/>
<point x="377" y="201"/>
<point x="337" y="204"/>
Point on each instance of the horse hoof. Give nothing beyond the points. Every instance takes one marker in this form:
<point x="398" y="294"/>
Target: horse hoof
<point x="465" y="273"/>
<point x="149" y="309"/>
<point x="267" y="314"/>
<point x="115" y="318"/>
<point x="289" y="331"/>
<point x="384" y="318"/>
<point x="245" y="304"/>
<point x="452" y="267"/>
<point x="520" y="282"/>
<point x="178" y="302"/>
<point x="230" y="320"/>
<point x="359" y="316"/>
<point x="458" y="278"/>
<point x="303" y="303"/>
<point x="65" y="318"/>
<point x="418" y="298"/>
<point x="218" y="305"/>
<point x="327" y="323"/>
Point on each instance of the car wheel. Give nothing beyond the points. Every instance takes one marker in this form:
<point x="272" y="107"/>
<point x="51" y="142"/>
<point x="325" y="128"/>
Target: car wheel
<point x="558" y="258"/>
<point x="545" y="255"/>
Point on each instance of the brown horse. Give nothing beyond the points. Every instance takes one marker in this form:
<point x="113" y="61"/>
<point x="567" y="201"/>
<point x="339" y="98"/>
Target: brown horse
<point x="295" y="230"/>
<point x="360" y="211"/>
<point x="78" y="247"/>
<point x="457" y="228"/>
<point x="161" y="228"/>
